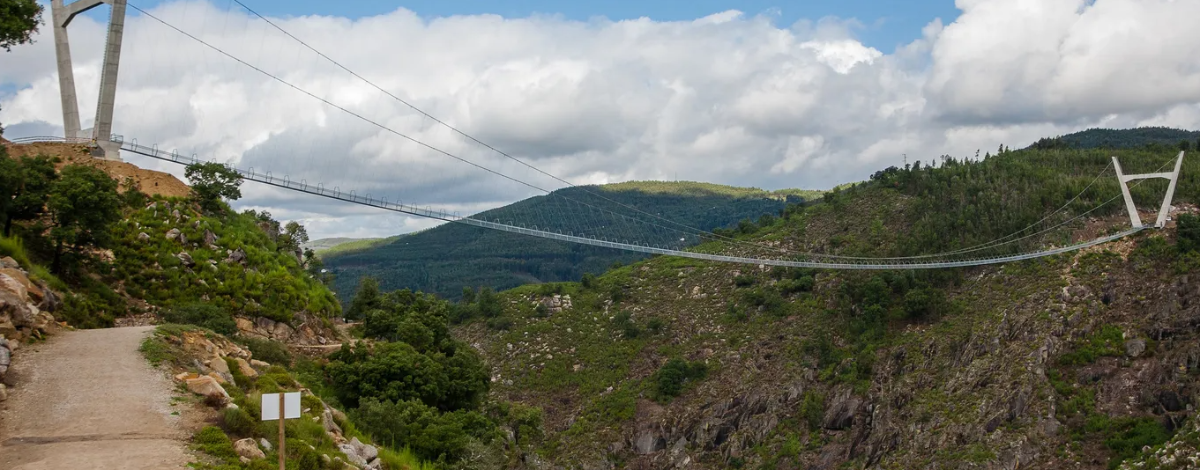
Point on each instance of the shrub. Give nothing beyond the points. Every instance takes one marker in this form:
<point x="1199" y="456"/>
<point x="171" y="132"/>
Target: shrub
<point x="623" y="322"/>
<point x="669" y="380"/>
<point x="203" y="315"/>
<point x="266" y="350"/>
<point x="500" y="323"/>
<point x="1188" y="233"/>
<point x="588" y="280"/>
<point x="655" y="325"/>
<point x="238" y="421"/>
<point x="743" y="280"/>
<point x="213" y="441"/>
<point x="812" y="409"/>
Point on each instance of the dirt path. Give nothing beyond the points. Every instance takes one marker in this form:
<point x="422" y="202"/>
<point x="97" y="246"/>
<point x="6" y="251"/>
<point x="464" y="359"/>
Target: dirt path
<point x="89" y="400"/>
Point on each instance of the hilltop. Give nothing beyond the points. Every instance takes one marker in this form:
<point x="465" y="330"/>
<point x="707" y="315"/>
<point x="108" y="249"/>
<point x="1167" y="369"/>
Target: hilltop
<point x="1124" y="139"/>
<point x="447" y="258"/>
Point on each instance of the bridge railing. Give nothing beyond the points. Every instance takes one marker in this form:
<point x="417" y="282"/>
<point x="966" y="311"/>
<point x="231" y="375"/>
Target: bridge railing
<point x="857" y="264"/>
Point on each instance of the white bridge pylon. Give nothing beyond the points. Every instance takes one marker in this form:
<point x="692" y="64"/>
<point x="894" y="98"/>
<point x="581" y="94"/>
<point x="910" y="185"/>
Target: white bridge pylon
<point x="1163" y="211"/>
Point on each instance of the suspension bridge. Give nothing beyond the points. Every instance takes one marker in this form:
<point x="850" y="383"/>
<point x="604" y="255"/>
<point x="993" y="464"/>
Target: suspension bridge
<point x="109" y="145"/>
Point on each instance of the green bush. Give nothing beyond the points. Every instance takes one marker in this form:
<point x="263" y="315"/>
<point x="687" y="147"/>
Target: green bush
<point x="500" y="323"/>
<point x="812" y="409"/>
<point x="212" y="441"/>
<point x="238" y="422"/>
<point x="623" y="322"/>
<point x="266" y="350"/>
<point x="203" y="315"/>
<point x="670" y="379"/>
<point x="1187" y="228"/>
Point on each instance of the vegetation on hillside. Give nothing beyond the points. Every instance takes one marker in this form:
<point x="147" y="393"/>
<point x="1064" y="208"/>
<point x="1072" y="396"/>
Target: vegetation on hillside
<point x="411" y="385"/>
<point x="445" y="259"/>
<point x="116" y="249"/>
<point x="942" y="357"/>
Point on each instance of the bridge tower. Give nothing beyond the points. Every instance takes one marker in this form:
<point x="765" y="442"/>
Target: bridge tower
<point x="1124" y="179"/>
<point x="101" y="131"/>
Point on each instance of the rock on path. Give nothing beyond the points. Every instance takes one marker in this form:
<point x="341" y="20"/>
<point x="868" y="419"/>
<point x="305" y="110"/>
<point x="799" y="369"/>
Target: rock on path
<point x="89" y="400"/>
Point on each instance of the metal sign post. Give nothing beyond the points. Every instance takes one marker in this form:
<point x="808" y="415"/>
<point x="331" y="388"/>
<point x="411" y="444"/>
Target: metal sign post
<point x="274" y="408"/>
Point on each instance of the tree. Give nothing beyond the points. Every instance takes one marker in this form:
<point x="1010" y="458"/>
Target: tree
<point x="84" y="204"/>
<point x="365" y="300"/>
<point x="211" y="182"/>
<point x="31" y="179"/>
<point x="19" y="19"/>
<point x="293" y="237"/>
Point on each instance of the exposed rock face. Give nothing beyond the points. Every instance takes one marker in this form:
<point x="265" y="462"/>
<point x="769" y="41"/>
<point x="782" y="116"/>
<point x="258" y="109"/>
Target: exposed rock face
<point x="249" y="449"/>
<point x="25" y="305"/>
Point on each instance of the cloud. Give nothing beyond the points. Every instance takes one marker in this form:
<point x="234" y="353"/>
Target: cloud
<point x="728" y="98"/>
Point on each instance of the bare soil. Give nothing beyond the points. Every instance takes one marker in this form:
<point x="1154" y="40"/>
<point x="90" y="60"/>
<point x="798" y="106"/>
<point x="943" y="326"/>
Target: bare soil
<point x="151" y="182"/>
<point x="89" y="400"/>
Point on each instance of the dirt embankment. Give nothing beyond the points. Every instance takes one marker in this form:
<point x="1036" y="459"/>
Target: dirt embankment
<point x="151" y="182"/>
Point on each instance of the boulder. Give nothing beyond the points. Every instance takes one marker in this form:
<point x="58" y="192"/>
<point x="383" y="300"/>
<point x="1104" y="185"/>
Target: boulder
<point x="210" y="238"/>
<point x="244" y="325"/>
<point x="143" y="237"/>
<point x="265" y="444"/>
<point x="259" y="365"/>
<point x="1135" y="347"/>
<point x="245" y="368"/>
<point x="8" y="262"/>
<point x="249" y="449"/>
<point x="207" y="386"/>
<point x="364" y="451"/>
<point x="3" y="392"/>
<point x="218" y="378"/>
<point x="15" y="310"/>
<point x="186" y="259"/>
<point x="173" y="234"/>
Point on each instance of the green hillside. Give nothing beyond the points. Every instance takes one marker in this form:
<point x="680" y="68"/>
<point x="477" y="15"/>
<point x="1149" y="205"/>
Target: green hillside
<point x="447" y="258"/>
<point x="1084" y="358"/>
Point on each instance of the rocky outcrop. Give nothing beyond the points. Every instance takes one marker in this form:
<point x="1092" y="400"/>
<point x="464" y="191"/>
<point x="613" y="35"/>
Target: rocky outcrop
<point x="309" y="331"/>
<point x="25" y="305"/>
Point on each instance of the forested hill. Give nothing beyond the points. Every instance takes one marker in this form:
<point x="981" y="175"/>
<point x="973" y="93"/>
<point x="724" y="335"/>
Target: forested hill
<point x="1140" y="137"/>
<point x="445" y="259"/>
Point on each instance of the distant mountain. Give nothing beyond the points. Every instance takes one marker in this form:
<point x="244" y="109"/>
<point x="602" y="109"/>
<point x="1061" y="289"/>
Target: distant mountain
<point x="327" y="243"/>
<point x="445" y="259"/>
<point x="1123" y="139"/>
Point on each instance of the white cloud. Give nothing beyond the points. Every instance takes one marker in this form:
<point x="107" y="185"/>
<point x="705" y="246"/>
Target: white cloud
<point x="727" y="98"/>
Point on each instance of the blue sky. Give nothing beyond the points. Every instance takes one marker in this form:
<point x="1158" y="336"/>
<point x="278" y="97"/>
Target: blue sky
<point x="886" y="23"/>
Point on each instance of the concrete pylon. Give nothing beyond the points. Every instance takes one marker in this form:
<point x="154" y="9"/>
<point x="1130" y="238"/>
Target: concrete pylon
<point x="1163" y="211"/>
<point x="101" y="132"/>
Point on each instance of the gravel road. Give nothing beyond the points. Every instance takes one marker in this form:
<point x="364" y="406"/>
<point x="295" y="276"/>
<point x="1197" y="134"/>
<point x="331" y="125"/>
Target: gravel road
<point x="89" y="400"/>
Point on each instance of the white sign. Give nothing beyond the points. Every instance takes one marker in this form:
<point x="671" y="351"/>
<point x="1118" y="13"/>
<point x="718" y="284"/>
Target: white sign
<point x="270" y="406"/>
